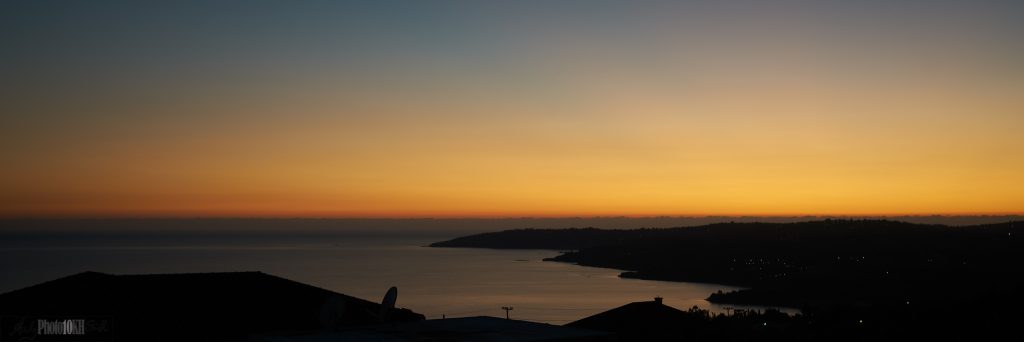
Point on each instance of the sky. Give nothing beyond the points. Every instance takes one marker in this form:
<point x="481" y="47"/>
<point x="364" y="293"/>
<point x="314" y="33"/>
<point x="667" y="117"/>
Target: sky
<point x="510" y="109"/>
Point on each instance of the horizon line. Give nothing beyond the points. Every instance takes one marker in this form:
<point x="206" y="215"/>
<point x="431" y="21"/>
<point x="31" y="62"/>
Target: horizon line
<point x="495" y="217"/>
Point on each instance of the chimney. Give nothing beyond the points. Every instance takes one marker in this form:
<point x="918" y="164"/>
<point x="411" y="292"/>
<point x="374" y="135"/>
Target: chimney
<point x="657" y="300"/>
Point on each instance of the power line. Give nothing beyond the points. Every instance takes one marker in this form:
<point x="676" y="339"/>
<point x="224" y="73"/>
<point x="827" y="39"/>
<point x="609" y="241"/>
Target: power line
<point x="561" y="308"/>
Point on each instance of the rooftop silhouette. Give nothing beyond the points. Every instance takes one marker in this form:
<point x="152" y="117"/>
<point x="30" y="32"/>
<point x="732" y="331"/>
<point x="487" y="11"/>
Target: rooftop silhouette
<point x="192" y="306"/>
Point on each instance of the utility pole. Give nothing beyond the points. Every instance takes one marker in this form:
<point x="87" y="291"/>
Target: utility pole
<point x="507" y="309"/>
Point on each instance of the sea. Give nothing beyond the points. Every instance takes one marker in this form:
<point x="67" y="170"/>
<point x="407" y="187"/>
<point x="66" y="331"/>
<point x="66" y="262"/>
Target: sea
<point x="436" y="282"/>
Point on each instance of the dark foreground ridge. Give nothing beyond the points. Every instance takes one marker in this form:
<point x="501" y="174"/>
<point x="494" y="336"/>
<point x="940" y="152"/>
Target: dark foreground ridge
<point x="237" y="306"/>
<point x="229" y="306"/>
<point x="882" y="271"/>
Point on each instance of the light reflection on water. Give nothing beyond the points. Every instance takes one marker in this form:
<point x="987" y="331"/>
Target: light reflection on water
<point x="454" y="282"/>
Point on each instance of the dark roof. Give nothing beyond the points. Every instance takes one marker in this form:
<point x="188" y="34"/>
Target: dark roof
<point x="481" y="328"/>
<point x="219" y="305"/>
<point x="638" y="317"/>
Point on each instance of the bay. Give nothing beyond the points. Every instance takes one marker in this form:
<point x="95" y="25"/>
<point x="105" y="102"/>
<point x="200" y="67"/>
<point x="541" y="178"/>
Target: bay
<point x="437" y="282"/>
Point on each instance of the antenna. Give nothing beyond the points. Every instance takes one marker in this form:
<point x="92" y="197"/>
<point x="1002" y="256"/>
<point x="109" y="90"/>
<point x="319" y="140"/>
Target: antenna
<point x="388" y="303"/>
<point x="507" y="309"/>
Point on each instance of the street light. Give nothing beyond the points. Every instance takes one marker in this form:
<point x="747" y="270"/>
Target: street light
<point x="507" y="309"/>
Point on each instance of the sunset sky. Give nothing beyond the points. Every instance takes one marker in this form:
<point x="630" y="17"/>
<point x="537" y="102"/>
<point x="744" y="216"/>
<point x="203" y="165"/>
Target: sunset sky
<point x="508" y="109"/>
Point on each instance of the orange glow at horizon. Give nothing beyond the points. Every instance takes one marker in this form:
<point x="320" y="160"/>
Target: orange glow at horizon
<point x="772" y="116"/>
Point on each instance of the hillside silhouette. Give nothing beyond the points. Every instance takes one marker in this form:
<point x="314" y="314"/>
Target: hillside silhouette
<point x="904" y="274"/>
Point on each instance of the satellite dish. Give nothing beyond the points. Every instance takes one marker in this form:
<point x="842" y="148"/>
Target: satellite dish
<point x="331" y="313"/>
<point x="388" y="303"/>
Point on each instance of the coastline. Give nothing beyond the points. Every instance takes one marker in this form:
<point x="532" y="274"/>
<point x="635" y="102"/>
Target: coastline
<point x="816" y="265"/>
<point x="743" y="296"/>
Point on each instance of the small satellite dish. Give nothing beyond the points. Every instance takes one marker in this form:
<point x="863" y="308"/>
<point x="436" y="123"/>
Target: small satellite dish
<point x="331" y="313"/>
<point x="388" y="303"/>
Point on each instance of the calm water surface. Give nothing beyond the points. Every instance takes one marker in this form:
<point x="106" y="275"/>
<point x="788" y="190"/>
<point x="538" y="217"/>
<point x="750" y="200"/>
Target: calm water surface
<point x="453" y="282"/>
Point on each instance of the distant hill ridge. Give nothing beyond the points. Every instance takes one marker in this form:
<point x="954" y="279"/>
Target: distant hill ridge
<point x="576" y="238"/>
<point x="816" y="263"/>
